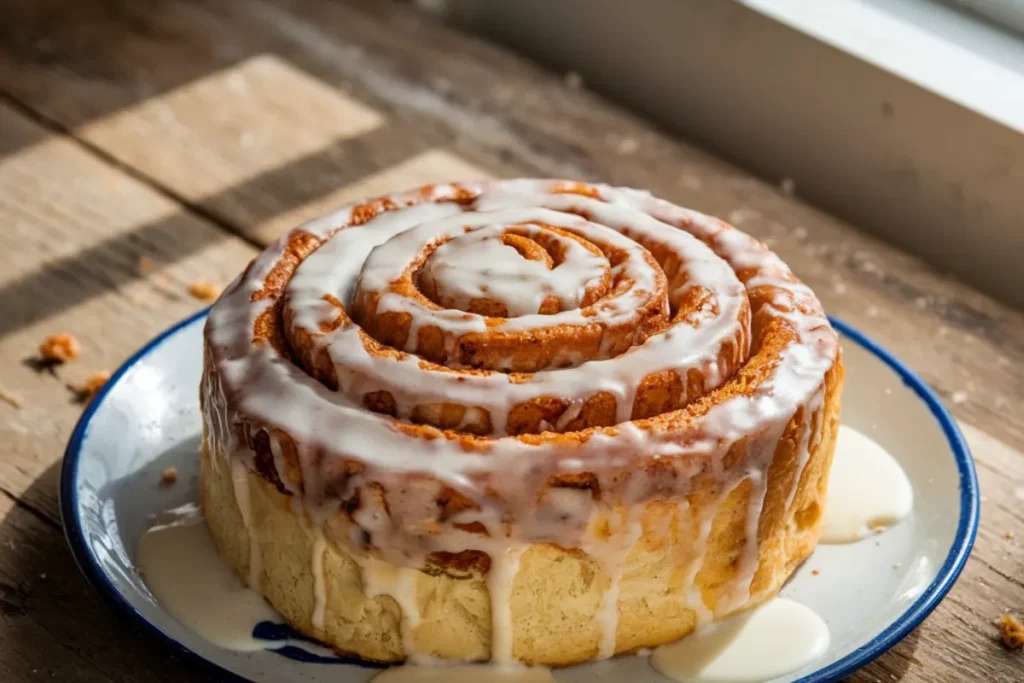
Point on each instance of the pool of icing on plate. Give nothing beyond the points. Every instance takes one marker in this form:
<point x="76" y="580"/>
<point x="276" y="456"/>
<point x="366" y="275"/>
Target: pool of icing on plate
<point x="868" y="491"/>
<point x="189" y="579"/>
<point x="779" y="637"/>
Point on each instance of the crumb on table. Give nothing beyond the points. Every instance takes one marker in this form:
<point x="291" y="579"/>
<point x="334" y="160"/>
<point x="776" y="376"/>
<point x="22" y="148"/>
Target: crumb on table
<point x="92" y="384"/>
<point x="815" y="572"/>
<point x="204" y="290"/>
<point x="145" y="264"/>
<point x="59" y="348"/>
<point x="169" y="476"/>
<point x="10" y="399"/>
<point x="1010" y="535"/>
<point x="1011" y="632"/>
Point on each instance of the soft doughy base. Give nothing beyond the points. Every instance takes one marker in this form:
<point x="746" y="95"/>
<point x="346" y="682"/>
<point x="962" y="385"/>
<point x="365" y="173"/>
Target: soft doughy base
<point x="557" y="592"/>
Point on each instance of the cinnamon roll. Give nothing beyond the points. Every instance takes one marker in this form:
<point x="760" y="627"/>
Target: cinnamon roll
<point x="525" y="420"/>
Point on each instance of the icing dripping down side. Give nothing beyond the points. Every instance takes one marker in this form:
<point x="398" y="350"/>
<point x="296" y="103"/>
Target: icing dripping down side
<point x="240" y="483"/>
<point x="612" y="555"/>
<point x="868" y="490"/>
<point x="777" y="638"/>
<point x="399" y="583"/>
<point x="211" y="601"/>
<point x="319" y="581"/>
<point x="500" y="582"/>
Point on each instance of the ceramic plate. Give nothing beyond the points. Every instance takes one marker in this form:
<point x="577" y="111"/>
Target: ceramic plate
<point x="871" y="593"/>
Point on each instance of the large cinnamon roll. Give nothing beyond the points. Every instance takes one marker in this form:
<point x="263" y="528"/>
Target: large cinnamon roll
<point x="520" y="420"/>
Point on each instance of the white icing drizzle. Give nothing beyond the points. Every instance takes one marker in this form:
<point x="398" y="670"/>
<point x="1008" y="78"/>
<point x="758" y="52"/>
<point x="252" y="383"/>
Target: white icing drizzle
<point x="186" y="574"/>
<point x="777" y="638"/>
<point x="500" y="583"/>
<point x="479" y="265"/>
<point x="319" y="582"/>
<point x="694" y="598"/>
<point x="611" y="554"/>
<point x="868" y="490"/>
<point x="240" y="484"/>
<point x="250" y="386"/>
<point x="809" y="440"/>
<point x="691" y="345"/>
<point x="398" y="583"/>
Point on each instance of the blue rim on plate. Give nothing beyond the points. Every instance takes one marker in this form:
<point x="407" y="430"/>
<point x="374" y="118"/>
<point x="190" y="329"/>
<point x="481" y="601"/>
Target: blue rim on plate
<point x="967" y="527"/>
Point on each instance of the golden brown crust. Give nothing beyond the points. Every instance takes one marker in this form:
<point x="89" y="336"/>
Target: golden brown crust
<point x="557" y="591"/>
<point x="698" y="500"/>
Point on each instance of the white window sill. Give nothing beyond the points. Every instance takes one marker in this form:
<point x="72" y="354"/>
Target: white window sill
<point x="955" y="55"/>
<point x="903" y="116"/>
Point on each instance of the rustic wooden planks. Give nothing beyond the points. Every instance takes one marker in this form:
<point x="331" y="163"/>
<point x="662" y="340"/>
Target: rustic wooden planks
<point x="74" y="231"/>
<point x="192" y="132"/>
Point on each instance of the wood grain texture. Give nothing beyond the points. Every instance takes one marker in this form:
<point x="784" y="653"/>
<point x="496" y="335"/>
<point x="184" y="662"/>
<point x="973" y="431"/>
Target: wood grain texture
<point x="189" y="121"/>
<point x="75" y="231"/>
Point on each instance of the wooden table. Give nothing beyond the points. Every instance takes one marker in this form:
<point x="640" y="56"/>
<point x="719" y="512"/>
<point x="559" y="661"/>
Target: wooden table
<point x="185" y="135"/>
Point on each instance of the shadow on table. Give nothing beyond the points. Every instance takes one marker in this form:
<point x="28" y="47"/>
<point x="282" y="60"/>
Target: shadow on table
<point x="138" y="52"/>
<point x="54" y="626"/>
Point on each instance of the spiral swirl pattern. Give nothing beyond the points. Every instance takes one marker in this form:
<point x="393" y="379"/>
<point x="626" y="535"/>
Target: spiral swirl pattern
<point x="535" y="328"/>
<point x="444" y="395"/>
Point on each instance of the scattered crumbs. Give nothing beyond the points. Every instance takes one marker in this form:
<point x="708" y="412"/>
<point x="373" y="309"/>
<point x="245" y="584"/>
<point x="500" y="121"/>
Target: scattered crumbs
<point x="1011" y="632"/>
<point x="169" y="476"/>
<point x="1010" y="535"/>
<point x="87" y="389"/>
<point x="204" y="290"/>
<point x="921" y="302"/>
<point x="144" y="264"/>
<point x="628" y="146"/>
<point x="59" y="348"/>
<point x="247" y="139"/>
<point x="10" y="399"/>
<point x="888" y="391"/>
<point x="839" y="288"/>
<point x="958" y="397"/>
<point x="574" y="80"/>
<point x="815" y="572"/>
<point x="799" y="233"/>
<point x="872" y="311"/>
<point x="787" y="185"/>
<point x="43" y="575"/>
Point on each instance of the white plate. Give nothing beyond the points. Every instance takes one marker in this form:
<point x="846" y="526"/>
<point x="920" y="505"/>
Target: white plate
<point x="871" y="593"/>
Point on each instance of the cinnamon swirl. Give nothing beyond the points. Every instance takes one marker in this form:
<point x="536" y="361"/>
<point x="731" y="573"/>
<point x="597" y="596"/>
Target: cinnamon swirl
<point x="520" y="420"/>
